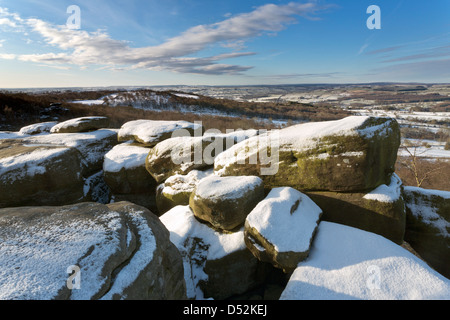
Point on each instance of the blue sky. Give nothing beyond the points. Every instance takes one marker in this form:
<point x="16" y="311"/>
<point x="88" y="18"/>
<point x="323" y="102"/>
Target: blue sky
<point x="209" y="42"/>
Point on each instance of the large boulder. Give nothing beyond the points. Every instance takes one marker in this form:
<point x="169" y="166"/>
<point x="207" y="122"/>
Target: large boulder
<point x="37" y="128"/>
<point x="225" y="202"/>
<point x="83" y="124"/>
<point x="381" y="211"/>
<point x="346" y="263"/>
<point x="150" y="132"/>
<point x="216" y="265"/>
<point x="183" y="153"/>
<point x="352" y="154"/>
<point x="87" y="251"/>
<point x="124" y="169"/>
<point x="177" y="190"/>
<point x="428" y="226"/>
<point x="51" y="169"/>
<point x="126" y="176"/>
<point x="281" y="228"/>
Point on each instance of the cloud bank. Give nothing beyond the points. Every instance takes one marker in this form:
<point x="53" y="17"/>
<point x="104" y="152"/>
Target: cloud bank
<point x="177" y="54"/>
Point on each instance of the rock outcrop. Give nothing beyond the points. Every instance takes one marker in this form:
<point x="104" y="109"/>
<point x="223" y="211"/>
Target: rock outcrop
<point x="226" y="202"/>
<point x="281" y="229"/>
<point x="149" y="132"/>
<point x="428" y="226"/>
<point x="216" y="265"/>
<point x="177" y="190"/>
<point x="117" y="251"/>
<point x="381" y="211"/>
<point x="51" y="169"/>
<point x="84" y="124"/>
<point x="346" y="263"/>
<point x="126" y="176"/>
<point x="352" y="154"/>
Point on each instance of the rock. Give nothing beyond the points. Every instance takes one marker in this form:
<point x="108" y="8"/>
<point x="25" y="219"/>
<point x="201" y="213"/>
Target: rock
<point x="124" y="169"/>
<point x="176" y="156"/>
<point x="117" y="251"/>
<point x="281" y="228"/>
<point x="177" y="190"/>
<point x="149" y="132"/>
<point x="346" y="263"/>
<point x="216" y="265"/>
<point x="84" y="124"/>
<point x="37" y="128"/>
<point x="180" y="155"/>
<point x="382" y="211"/>
<point x="348" y="155"/>
<point x="428" y="225"/>
<point x="92" y="146"/>
<point x="51" y="169"/>
<point x="126" y="176"/>
<point x="225" y="202"/>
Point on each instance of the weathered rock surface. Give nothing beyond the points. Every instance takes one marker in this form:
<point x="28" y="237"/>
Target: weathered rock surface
<point x="126" y="176"/>
<point x="225" y="202"/>
<point x="352" y="154"/>
<point x="428" y="226"/>
<point x="122" y="252"/>
<point x="177" y="190"/>
<point x="84" y="124"/>
<point x="281" y="228"/>
<point x="37" y="128"/>
<point x="149" y="132"/>
<point x="51" y="169"/>
<point x="346" y="263"/>
<point x="381" y="211"/>
<point x="216" y="265"/>
<point x="182" y="154"/>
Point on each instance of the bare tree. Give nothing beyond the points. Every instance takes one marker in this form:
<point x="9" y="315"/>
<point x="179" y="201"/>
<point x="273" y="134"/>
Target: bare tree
<point x="414" y="165"/>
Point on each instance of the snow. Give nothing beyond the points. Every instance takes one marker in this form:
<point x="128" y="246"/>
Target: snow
<point x="91" y="145"/>
<point x="125" y="156"/>
<point x="37" y="128"/>
<point x="141" y="258"/>
<point x="184" y="183"/>
<point x="28" y="164"/>
<point x="185" y="95"/>
<point x="10" y="135"/>
<point x="89" y="102"/>
<point x="149" y="131"/>
<point x="44" y="250"/>
<point x="348" y="264"/>
<point x="287" y="230"/>
<point x="387" y="194"/>
<point x="422" y="208"/>
<point x="217" y="188"/>
<point x="74" y="123"/>
<point x="184" y="229"/>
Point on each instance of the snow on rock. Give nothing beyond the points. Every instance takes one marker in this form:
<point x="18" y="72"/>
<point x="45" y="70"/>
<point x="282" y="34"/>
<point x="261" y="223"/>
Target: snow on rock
<point x="149" y="132"/>
<point x="83" y="124"/>
<point x="177" y="189"/>
<point x="225" y="202"/>
<point x="125" y="156"/>
<point x="37" y="128"/>
<point x="200" y="246"/>
<point x="428" y="225"/>
<point x="348" y="264"/>
<point x="319" y="156"/>
<point x="92" y="145"/>
<point x="387" y="193"/>
<point x="280" y="229"/>
<point x="120" y="251"/>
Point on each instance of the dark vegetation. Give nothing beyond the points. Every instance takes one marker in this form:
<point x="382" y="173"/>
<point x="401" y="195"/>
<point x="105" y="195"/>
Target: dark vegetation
<point x="20" y="109"/>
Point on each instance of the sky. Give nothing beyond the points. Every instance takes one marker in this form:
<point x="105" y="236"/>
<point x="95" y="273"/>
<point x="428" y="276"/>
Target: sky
<point x="210" y="42"/>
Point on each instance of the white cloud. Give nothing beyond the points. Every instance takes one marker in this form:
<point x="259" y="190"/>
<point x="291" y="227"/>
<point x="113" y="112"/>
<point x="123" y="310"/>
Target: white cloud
<point x="98" y="48"/>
